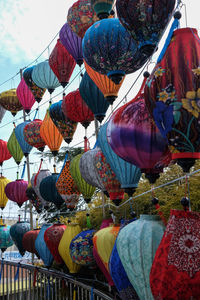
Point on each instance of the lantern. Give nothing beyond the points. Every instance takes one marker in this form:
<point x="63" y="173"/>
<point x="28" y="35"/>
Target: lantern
<point x="111" y="184"/>
<point x="14" y="148"/>
<point x="106" y="222"/>
<point x="127" y="174"/>
<point x="172" y="94"/>
<point x="109" y="49"/>
<point x="4" y="152"/>
<point x="93" y="97"/>
<point x="44" y="77"/>
<point x="42" y="248"/>
<point x="50" y="134"/>
<point x="76" y="109"/>
<point x="3" y="198"/>
<point x="2" y="113"/>
<point x="175" y="272"/>
<point x="65" y="126"/>
<point x="16" y="191"/>
<point x="19" y="133"/>
<point x="32" y="196"/>
<point x="25" y="96"/>
<point x="29" y="239"/>
<point x="137" y="243"/>
<point x="17" y="231"/>
<point x="32" y="134"/>
<point x="48" y="190"/>
<point x="9" y="101"/>
<point x="81" y="16"/>
<point x="86" y="190"/>
<point x="102" y="8"/>
<point x="5" y="238"/>
<point x="52" y="237"/>
<point x="72" y="43"/>
<point x="145" y="20"/>
<point x="62" y="63"/>
<point x="70" y="232"/>
<point x="36" y="90"/>
<point x="81" y="248"/>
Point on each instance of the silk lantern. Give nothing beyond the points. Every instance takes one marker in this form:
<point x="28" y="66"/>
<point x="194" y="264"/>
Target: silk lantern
<point x="16" y="191"/>
<point x="4" y="152"/>
<point x="70" y="232"/>
<point x="3" y="198"/>
<point x="9" y="101"/>
<point x="5" y="238"/>
<point x="2" y="113"/>
<point x="19" y="133"/>
<point x="17" y="232"/>
<point x="32" y="135"/>
<point x="14" y="148"/>
<point x="137" y="243"/>
<point x="102" y="7"/>
<point x="52" y="237"/>
<point x="29" y="239"/>
<point x="32" y="196"/>
<point x="25" y="96"/>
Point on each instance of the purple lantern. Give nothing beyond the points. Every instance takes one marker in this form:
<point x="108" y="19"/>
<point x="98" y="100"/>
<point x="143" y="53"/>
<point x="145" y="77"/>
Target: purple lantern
<point x="16" y="191"/>
<point x="25" y="96"/>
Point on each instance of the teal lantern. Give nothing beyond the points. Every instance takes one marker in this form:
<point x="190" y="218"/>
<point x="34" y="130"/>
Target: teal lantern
<point x="19" y="133"/>
<point x="41" y="246"/>
<point x="17" y="232"/>
<point x="5" y="238"/>
<point x="102" y="8"/>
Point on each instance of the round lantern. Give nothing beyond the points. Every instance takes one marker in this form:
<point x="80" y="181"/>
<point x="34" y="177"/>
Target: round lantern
<point x="172" y="96"/>
<point x="32" y="196"/>
<point x="86" y="190"/>
<point x="17" y="231"/>
<point x="36" y="90"/>
<point x="16" y="191"/>
<point x="44" y="77"/>
<point x="4" y="152"/>
<point x="106" y="85"/>
<point x="76" y="109"/>
<point x="14" y="148"/>
<point x="50" y="134"/>
<point x="65" y="126"/>
<point x="25" y="96"/>
<point x="19" y="133"/>
<point x="29" y="239"/>
<point x="81" y="248"/>
<point x="48" y="190"/>
<point x="70" y="232"/>
<point x="5" y="238"/>
<point x="137" y="243"/>
<point x="52" y="237"/>
<point x="41" y="247"/>
<point x="2" y="113"/>
<point x="72" y="42"/>
<point x="3" y="198"/>
<point x="9" y="101"/>
<point x="32" y="134"/>
<point x="81" y="16"/>
<point x="109" y="49"/>
<point x="175" y="272"/>
<point x="93" y="97"/>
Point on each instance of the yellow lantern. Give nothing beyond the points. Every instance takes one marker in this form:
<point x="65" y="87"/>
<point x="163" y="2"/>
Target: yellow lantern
<point x="3" y="198"/>
<point x="9" y="101"/>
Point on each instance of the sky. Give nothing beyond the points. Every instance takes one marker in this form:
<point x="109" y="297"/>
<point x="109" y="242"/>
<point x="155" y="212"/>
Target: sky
<point x="26" y="29"/>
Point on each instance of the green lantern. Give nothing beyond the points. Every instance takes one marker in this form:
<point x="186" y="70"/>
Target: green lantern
<point x="86" y="189"/>
<point x="14" y="148"/>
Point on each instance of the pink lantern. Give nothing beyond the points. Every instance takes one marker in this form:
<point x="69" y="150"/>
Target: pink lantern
<point x="16" y="191"/>
<point x="25" y="96"/>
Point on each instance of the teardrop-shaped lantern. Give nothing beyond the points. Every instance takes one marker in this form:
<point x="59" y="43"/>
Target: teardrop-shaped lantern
<point x="14" y="148"/>
<point x="25" y="96"/>
<point x="48" y="190"/>
<point x="4" y="152"/>
<point x="137" y="243"/>
<point x="109" y="49"/>
<point x="9" y="101"/>
<point x="32" y="196"/>
<point x="102" y="7"/>
<point x="5" y="240"/>
<point x="86" y="190"/>
<point x="44" y="77"/>
<point x="65" y="126"/>
<point x="29" y="239"/>
<point x="2" y="113"/>
<point x="70" y="232"/>
<point x="93" y="97"/>
<point x="111" y="184"/>
<point x="36" y="90"/>
<point x="19" y="133"/>
<point x="50" y="134"/>
<point x="52" y="237"/>
<point x="81" y="16"/>
<point x="3" y="198"/>
<point x="81" y="248"/>
<point x="62" y="63"/>
<point x="17" y="231"/>
<point x="106" y="85"/>
<point x="72" y="42"/>
<point x="127" y="174"/>
<point x="32" y="134"/>
<point x="16" y="191"/>
<point x="41" y="246"/>
<point x="76" y="109"/>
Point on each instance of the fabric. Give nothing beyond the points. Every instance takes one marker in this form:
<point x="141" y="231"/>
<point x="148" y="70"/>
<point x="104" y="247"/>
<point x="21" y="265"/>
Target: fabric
<point x="17" y="231"/>
<point x="2" y="113"/>
<point x="19" y="133"/>
<point x="9" y="101"/>
<point x="41" y="246"/>
<point x="36" y="90"/>
<point x="3" y="198"/>
<point x="35" y="182"/>
<point x="14" y="148"/>
<point x="102" y="7"/>
<point x="25" y="96"/>
<point x="16" y="191"/>
<point x="5" y="238"/>
<point x="4" y="152"/>
<point x="32" y="134"/>
<point x="28" y="241"/>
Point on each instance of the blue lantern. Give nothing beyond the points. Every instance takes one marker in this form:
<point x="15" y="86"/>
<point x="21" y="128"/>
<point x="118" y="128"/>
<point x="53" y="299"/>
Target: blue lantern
<point x="42" y="248"/>
<point x="127" y="173"/>
<point x="5" y="238"/>
<point x="17" y="232"/>
<point x="19" y="133"/>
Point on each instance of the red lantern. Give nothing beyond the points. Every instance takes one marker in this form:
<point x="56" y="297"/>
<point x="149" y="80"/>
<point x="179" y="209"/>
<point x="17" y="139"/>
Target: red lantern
<point x="4" y="153"/>
<point x="25" y="96"/>
<point x="32" y="134"/>
<point x="29" y="241"/>
<point x="62" y="63"/>
<point x="16" y="191"/>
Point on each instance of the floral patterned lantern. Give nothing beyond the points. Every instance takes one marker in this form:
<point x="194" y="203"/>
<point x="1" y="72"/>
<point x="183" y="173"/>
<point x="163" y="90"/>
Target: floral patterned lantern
<point x="72" y="42"/>
<point x="2" y="113"/>
<point x="17" y="232"/>
<point x="16" y="191"/>
<point x="36" y="179"/>
<point x="32" y="196"/>
<point x="9" y="101"/>
<point x="4" y="152"/>
<point x="25" y="96"/>
<point x="102" y="8"/>
<point x="62" y="63"/>
<point x="32" y="134"/>
<point x="172" y="96"/>
<point x="175" y="272"/>
<point x="14" y="148"/>
<point x="29" y="239"/>
<point x="52" y="237"/>
<point x="3" y="198"/>
<point x="5" y="238"/>
<point x="81" y="16"/>
<point x="65" y="126"/>
<point x="19" y="133"/>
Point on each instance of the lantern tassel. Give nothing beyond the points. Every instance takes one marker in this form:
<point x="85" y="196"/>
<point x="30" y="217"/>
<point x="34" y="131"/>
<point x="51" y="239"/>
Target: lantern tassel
<point x="86" y="144"/>
<point x="92" y="294"/>
<point x="36" y="176"/>
<point x="23" y="172"/>
<point x="35" y="277"/>
<point x="36" y="111"/>
<point x="17" y="272"/>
